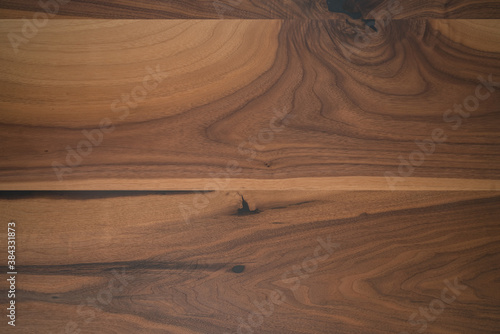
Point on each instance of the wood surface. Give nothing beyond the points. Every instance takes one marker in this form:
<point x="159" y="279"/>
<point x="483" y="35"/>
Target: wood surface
<point x="251" y="166"/>
<point x="393" y="252"/>
<point x="250" y="9"/>
<point x="346" y="110"/>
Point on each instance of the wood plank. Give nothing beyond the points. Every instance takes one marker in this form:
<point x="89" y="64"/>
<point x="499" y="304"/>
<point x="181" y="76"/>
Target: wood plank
<point x="392" y="256"/>
<point x="265" y="99"/>
<point x="226" y="181"/>
<point x="251" y="9"/>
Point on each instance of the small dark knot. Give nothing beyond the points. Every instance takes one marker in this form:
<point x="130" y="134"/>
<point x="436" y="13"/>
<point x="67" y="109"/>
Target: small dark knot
<point x="238" y="269"/>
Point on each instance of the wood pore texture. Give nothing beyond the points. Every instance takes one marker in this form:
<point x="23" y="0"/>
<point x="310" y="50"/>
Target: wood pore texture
<point x="393" y="252"/>
<point x="349" y="110"/>
<point x="252" y="9"/>
<point x="251" y="166"/>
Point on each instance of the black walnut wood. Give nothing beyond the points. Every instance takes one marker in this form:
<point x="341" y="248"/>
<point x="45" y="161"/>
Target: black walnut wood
<point x="385" y="256"/>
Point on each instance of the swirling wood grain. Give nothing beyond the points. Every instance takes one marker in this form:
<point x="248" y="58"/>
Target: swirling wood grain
<point x="353" y="103"/>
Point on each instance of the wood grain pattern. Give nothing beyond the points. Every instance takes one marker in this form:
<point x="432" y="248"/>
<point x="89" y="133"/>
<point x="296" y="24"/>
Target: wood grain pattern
<point x="347" y="109"/>
<point x="251" y="161"/>
<point x="223" y="181"/>
<point x="251" y="9"/>
<point x="395" y="251"/>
